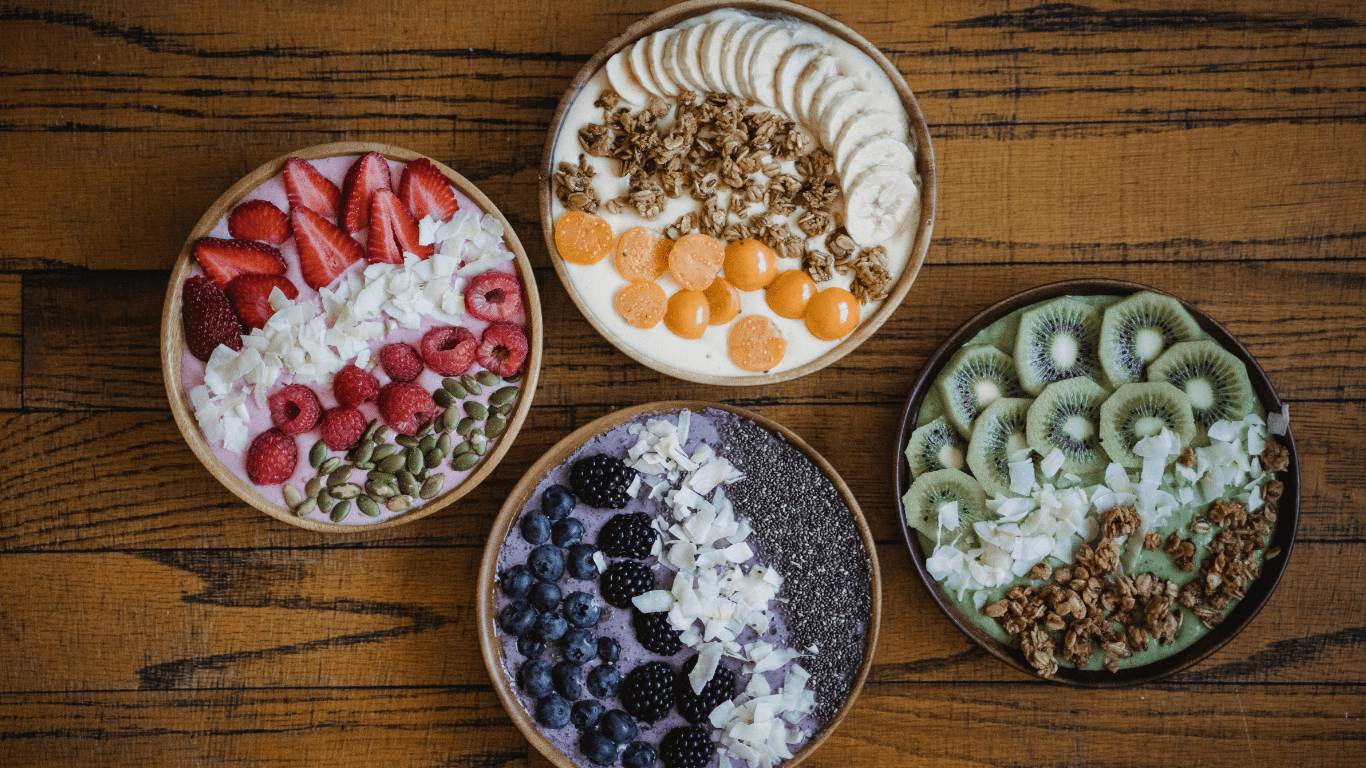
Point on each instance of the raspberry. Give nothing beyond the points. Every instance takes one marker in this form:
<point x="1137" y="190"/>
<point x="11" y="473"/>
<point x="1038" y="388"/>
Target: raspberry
<point x="601" y="481"/>
<point x="655" y="633"/>
<point x="493" y="296"/>
<point x="503" y="349"/>
<point x="352" y="386"/>
<point x="624" y="580"/>
<point x="400" y="361"/>
<point x="697" y="707"/>
<point x="209" y="319"/>
<point x="648" y="692"/>
<point x="342" y="428"/>
<point x="272" y="457"/>
<point x="406" y="406"/>
<point x="686" y="747"/>
<point x="449" y="350"/>
<point x="294" y="409"/>
<point x="627" y="535"/>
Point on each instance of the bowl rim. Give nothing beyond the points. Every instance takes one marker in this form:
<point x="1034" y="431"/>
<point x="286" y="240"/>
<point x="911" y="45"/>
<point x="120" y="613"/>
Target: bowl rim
<point x="925" y="164"/>
<point x="1242" y="614"/>
<point x="487" y="598"/>
<point x="172" y="341"/>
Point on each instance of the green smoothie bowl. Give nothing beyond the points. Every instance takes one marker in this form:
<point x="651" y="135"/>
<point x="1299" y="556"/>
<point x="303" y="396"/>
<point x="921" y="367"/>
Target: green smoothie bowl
<point x="1097" y="482"/>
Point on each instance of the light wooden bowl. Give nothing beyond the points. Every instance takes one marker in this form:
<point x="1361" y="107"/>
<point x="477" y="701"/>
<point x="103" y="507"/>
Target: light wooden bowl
<point x="924" y="155"/>
<point x="172" y="339"/>
<point x="487" y="601"/>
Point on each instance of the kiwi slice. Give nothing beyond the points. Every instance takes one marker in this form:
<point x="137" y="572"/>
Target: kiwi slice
<point x="1066" y="416"/>
<point x="931" y="491"/>
<point x="1136" y="411"/>
<point x="1057" y="341"/>
<point x="999" y="433"/>
<point x="1214" y="380"/>
<point x="934" y="446"/>
<point x="974" y="378"/>
<point x="1137" y="330"/>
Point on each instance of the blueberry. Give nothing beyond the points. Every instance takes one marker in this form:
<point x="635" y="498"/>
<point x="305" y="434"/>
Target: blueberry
<point x="557" y="502"/>
<point x="551" y="626"/>
<point x="585" y="713"/>
<point x="546" y="562"/>
<point x="534" y="678"/>
<point x="581" y="565"/>
<point x="579" y="646"/>
<point x="598" y="748"/>
<point x="530" y="646"/>
<point x="609" y="650"/>
<point x="604" y="681"/>
<point x="580" y="608"/>
<point x="535" y="527"/>
<point x="566" y="532"/>
<point x="518" y="617"/>
<point x="544" y="596"/>
<point x="565" y="675"/>
<point x="639" y="755"/>
<point x="552" y="711"/>
<point x="617" y="726"/>
<point x="516" y="581"/>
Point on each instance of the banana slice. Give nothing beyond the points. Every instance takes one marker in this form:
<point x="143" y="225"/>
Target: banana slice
<point x="713" y="53"/>
<point x="878" y="204"/>
<point x="838" y="110"/>
<point x="687" y="64"/>
<point x="790" y="69"/>
<point x="879" y="150"/>
<point x="622" y="80"/>
<point x="640" y="67"/>
<point x="861" y="128"/>
<point x="731" y="54"/>
<point x="767" y="51"/>
<point x="823" y="94"/>
<point x="813" y="77"/>
<point x="744" y="55"/>
<point x="658" y="52"/>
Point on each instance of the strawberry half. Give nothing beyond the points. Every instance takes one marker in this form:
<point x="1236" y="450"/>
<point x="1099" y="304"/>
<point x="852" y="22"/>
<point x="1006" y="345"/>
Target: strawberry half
<point x="306" y="187"/>
<point x="250" y="296"/>
<point x="392" y="231"/>
<point x="259" y="220"/>
<point x="426" y="191"/>
<point x="367" y="174"/>
<point x="325" y="251"/>
<point x="223" y="260"/>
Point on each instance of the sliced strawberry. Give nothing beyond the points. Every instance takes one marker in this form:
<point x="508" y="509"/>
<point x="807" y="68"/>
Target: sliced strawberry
<point x="306" y="187"/>
<point x="223" y="260"/>
<point x="325" y="251"/>
<point x="392" y="231"/>
<point x="250" y="296"/>
<point x="426" y="191"/>
<point x="367" y="174"/>
<point x="259" y="220"/>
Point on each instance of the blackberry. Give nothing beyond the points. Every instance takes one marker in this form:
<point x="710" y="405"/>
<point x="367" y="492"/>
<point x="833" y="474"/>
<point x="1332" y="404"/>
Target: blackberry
<point x="624" y="580"/>
<point x="686" y="747"/>
<point x="601" y="481"/>
<point x="627" y="535"/>
<point x="720" y="688"/>
<point x="648" y="692"/>
<point x="655" y="633"/>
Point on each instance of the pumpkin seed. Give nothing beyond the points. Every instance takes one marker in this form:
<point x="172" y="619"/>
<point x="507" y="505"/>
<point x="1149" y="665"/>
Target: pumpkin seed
<point x="432" y="487"/>
<point x="501" y="410"/>
<point x="479" y="446"/>
<point x="307" y="507"/>
<point x="471" y="385"/>
<point x="464" y="461"/>
<point x="365" y="465"/>
<point x="399" y="503"/>
<point x="415" y="460"/>
<point x="312" y="487"/>
<point x="495" y="425"/>
<point x="476" y="432"/>
<point x="339" y="511"/>
<point x="407" y="483"/>
<point x="330" y="466"/>
<point x="476" y="411"/>
<point x="292" y="496"/>
<point x="450" y="418"/>
<point x="433" y="458"/>
<point x="394" y="463"/>
<point x="339" y="475"/>
<point x="407" y="441"/>
<point x="443" y="398"/>
<point x="426" y="430"/>
<point x="463" y="428"/>
<point x="427" y="443"/>
<point x="367" y="506"/>
<point x="324" y="500"/>
<point x="487" y="378"/>
<point x="444" y="444"/>
<point x="316" y="456"/>
<point x="380" y="490"/>
<point x="513" y="378"/>
<point x="381" y="477"/>
<point x="421" y="474"/>
<point x="454" y="387"/>
<point x="383" y="452"/>
<point x="369" y="434"/>
<point x="345" y="491"/>
<point x="464" y="447"/>
<point x="381" y="433"/>
<point x="503" y="396"/>
<point x="364" y="452"/>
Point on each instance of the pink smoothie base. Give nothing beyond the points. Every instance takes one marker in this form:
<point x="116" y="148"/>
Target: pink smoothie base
<point x="192" y="369"/>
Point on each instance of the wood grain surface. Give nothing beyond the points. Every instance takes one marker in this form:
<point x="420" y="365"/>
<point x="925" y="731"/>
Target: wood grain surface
<point x="1212" y="148"/>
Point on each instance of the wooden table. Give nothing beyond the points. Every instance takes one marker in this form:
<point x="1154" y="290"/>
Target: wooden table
<point x="150" y="618"/>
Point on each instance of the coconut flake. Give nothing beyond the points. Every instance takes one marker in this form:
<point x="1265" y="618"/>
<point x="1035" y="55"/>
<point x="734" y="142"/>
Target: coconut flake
<point x="1279" y="423"/>
<point x="1052" y="462"/>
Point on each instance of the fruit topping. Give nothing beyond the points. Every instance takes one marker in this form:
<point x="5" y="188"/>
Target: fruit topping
<point x="750" y="265"/>
<point x="579" y="562"/>
<point x="353" y="386"/>
<point x="369" y="173"/>
<point x="294" y="409"/>
<point x="756" y="344"/>
<point x="627" y="535"/>
<point x="546" y="562"/>
<point x="325" y="251"/>
<point x="400" y="361"/>
<point x="535" y="528"/>
<point x="552" y="711"/>
<point x="568" y="680"/>
<point x="686" y="747"/>
<point x="832" y="314"/>
<point x="688" y="314"/>
<point x="724" y="301"/>
<point x="503" y="349"/>
<point x="585" y="714"/>
<point x="601" y="481"/>
<point x="618" y="726"/>
<point x="642" y="304"/>
<point x="1057" y="341"/>
<point x="609" y="650"/>
<point x="624" y="580"/>
<point x="604" y="680"/>
<point x="222" y="260"/>
<point x="695" y="707"/>
<point x="654" y="632"/>
<point x="598" y="748"/>
<point x="209" y="320"/>
<point x="551" y="626"/>
<point x="545" y="596"/>
<point x="534" y="677"/>
<point x="250" y="296"/>
<point x="259" y="220"/>
<point x="642" y="255"/>
<point x="975" y="377"/>
<point x="933" y="446"/>
<point x="306" y="187"/>
<point x="530" y="646"/>
<point x="639" y="755"/>
<point x="493" y="296"/>
<point x="393" y="231"/>
<point x="578" y="644"/>
<point x="648" y="692"/>
<point x="272" y="457"/>
<point x="517" y="618"/>
<point x="789" y="294"/>
<point x="342" y="428"/>
<point x="581" y="610"/>
<point x="566" y="532"/>
<point x="426" y="191"/>
<point x="449" y="350"/>
<point x="582" y="238"/>
<point x="517" y="581"/>
<point x="556" y="502"/>
<point x="406" y="406"/>
<point x="695" y="259"/>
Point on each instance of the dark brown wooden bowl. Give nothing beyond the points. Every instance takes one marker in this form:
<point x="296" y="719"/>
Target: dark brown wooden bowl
<point x="1246" y="609"/>
<point x="490" y="641"/>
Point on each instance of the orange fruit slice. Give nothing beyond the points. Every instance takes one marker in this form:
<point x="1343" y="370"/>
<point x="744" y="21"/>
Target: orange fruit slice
<point x="750" y="265"/>
<point x="695" y="259"/>
<point x="688" y="314"/>
<point x="756" y="344"/>
<point x="831" y="314"/>
<point x="724" y="300"/>
<point x="642" y="254"/>
<point x="582" y="238"/>
<point x="789" y="294"/>
<point x="641" y="304"/>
